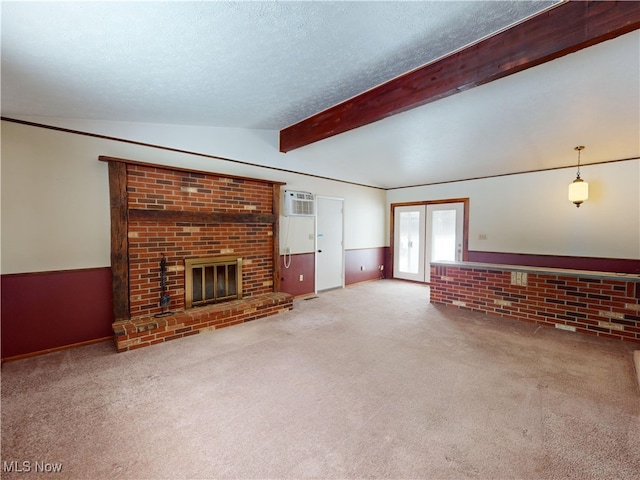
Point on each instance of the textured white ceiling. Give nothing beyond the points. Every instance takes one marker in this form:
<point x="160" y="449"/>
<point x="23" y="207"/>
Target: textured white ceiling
<point x="229" y="64"/>
<point x="267" y="65"/>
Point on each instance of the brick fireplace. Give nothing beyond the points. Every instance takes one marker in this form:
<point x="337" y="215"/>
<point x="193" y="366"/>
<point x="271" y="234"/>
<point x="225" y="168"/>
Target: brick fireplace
<point x="164" y="220"/>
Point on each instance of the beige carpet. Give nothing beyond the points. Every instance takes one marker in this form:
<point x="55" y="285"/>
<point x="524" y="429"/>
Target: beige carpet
<point x="366" y="382"/>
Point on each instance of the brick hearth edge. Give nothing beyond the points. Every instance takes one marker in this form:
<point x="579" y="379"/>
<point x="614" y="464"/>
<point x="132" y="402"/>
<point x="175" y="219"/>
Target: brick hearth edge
<point x="144" y="331"/>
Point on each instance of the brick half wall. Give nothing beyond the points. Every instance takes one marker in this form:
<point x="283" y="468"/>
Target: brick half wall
<point x="607" y="307"/>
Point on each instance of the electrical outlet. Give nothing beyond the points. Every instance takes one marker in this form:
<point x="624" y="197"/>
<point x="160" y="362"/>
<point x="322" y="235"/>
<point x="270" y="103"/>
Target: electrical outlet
<point x="519" y="278"/>
<point x="362" y="268"/>
<point x="301" y="278"/>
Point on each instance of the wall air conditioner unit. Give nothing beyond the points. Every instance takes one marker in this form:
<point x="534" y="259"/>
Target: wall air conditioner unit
<point x="299" y="204"/>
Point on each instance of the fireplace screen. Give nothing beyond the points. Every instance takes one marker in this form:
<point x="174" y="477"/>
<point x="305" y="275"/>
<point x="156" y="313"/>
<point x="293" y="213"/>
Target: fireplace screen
<point x="212" y="279"/>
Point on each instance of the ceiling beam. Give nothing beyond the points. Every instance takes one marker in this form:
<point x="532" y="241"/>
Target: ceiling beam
<point x="565" y="29"/>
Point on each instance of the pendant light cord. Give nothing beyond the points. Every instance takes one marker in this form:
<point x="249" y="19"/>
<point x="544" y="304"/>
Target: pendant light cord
<point x="579" y="149"/>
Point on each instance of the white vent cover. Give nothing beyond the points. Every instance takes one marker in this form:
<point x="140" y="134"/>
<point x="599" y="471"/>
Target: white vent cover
<point x="299" y="204"/>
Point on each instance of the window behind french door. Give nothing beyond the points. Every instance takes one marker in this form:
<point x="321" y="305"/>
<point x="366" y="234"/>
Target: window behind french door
<point x="426" y="233"/>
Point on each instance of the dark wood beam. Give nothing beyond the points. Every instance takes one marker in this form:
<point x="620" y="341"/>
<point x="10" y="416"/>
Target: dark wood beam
<point x="565" y="29"/>
<point x="173" y="216"/>
<point x="119" y="240"/>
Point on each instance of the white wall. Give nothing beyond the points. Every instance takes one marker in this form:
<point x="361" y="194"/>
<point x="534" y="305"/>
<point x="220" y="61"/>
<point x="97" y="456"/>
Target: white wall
<point x="530" y="213"/>
<point x="55" y="192"/>
<point x="364" y="216"/>
<point x="55" y="200"/>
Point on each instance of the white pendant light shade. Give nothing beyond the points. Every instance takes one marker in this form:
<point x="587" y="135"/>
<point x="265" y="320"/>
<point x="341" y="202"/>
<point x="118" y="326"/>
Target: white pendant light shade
<point x="578" y="191"/>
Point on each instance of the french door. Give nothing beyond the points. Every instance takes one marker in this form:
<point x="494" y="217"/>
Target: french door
<point x="426" y="233"/>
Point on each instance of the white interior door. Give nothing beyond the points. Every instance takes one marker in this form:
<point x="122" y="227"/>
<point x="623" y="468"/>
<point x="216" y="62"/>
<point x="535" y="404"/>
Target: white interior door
<point x="329" y="243"/>
<point x="425" y="234"/>
<point x="408" y="252"/>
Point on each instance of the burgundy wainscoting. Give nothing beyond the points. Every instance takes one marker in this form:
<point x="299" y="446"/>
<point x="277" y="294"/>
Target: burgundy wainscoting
<point x="301" y="264"/>
<point x="593" y="264"/>
<point x="304" y="264"/>
<point x="49" y="310"/>
<point x="370" y="259"/>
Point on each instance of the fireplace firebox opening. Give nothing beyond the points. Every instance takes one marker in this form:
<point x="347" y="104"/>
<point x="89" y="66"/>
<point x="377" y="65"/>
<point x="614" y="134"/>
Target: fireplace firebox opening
<point x="212" y="280"/>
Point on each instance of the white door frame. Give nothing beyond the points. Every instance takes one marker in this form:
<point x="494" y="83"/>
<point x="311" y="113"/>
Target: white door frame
<point x="315" y="250"/>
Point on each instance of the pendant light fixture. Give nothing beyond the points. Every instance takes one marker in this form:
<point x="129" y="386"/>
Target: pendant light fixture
<point x="578" y="189"/>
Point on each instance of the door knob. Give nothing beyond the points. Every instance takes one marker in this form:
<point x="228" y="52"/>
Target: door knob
<point x="319" y="251"/>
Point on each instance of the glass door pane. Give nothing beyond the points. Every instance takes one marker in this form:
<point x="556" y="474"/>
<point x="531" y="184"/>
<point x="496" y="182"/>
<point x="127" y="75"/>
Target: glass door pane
<point x="443" y="235"/>
<point x="445" y="223"/>
<point x="409" y="243"/>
